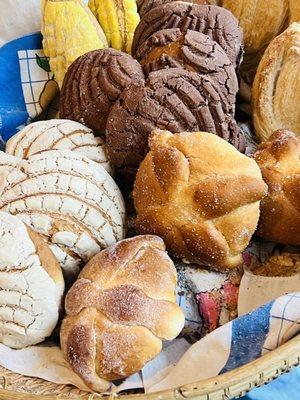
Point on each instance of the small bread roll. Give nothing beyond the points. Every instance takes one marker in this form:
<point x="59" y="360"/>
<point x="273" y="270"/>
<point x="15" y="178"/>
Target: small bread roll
<point x="200" y="195"/>
<point x="31" y="285"/>
<point x="279" y="161"/>
<point x="58" y="134"/>
<point x="276" y="87"/>
<point x="68" y="198"/>
<point x="119" y="310"/>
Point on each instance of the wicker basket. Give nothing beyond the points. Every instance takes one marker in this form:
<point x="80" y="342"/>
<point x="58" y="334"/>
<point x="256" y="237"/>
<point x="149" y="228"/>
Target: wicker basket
<point x="224" y="387"/>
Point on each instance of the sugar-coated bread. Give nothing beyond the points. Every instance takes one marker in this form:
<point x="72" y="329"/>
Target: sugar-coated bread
<point x="279" y="161"/>
<point x="200" y="195"/>
<point x="58" y="134"/>
<point x="68" y="198"/>
<point x="31" y="285"/>
<point x="276" y="87"/>
<point x="119" y="310"/>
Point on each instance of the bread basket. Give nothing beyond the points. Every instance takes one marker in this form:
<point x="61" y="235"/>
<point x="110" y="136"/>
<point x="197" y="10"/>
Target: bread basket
<point x="229" y="385"/>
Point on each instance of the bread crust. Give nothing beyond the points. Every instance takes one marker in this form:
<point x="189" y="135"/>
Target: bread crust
<point x="122" y="306"/>
<point x="279" y="161"/>
<point x="201" y="195"/>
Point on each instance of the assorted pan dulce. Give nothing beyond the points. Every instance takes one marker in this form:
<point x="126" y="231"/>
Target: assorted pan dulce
<point x="119" y="310"/>
<point x="279" y="161"/>
<point x="167" y="115"/>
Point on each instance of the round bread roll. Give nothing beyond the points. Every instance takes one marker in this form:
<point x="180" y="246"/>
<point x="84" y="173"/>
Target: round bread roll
<point x="200" y="195"/>
<point x="276" y="87"/>
<point x="72" y="201"/>
<point x="173" y="99"/>
<point x="119" y="310"/>
<point x="216" y="22"/>
<point x="58" y="134"/>
<point x="279" y="161"/>
<point x="93" y="83"/>
<point x="31" y="285"/>
<point x="191" y="50"/>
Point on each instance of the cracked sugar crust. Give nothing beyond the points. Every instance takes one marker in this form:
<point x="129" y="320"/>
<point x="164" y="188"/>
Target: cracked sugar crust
<point x="93" y="83"/>
<point x="31" y="285"/>
<point x="171" y="48"/>
<point x="146" y="5"/>
<point x="172" y="99"/>
<point x="58" y="134"/>
<point x="216" y="22"/>
<point x="200" y="195"/>
<point x="69" y="199"/>
<point x="122" y="306"/>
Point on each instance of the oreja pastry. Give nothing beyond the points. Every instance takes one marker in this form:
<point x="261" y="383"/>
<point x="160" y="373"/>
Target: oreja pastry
<point x="69" y="30"/>
<point x="72" y="201"/>
<point x="118" y="19"/>
<point x="279" y="161"/>
<point x="216" y="22"/>
<point x="200" y="195"/>
<point x="276" y="87"/>
<point x="119" y="310"/>
<point x="261" y="21"/>
<point x="173" y="99"/>
<point x="31" y="285"/>
<point x="93" y="83"/>
<point x="58" y="134"/>
<point x="190" y="50"/>
<point x="146" y="5"/>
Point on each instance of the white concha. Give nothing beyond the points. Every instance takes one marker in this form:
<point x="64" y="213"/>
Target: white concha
<point x="69" y="199"/>
<point x="31" y="285"/>
<point x="58" y="134"/>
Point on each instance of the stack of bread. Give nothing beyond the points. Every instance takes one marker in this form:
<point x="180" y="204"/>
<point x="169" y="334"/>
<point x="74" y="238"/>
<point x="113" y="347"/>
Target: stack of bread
<point x="167" y="115"/>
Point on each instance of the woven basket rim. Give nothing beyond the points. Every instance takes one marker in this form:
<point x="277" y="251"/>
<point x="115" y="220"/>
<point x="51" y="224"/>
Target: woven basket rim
<point x="231" y="384"/>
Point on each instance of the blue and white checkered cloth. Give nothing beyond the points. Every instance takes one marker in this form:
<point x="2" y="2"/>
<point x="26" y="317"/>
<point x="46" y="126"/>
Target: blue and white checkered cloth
<point x="237" y="343"/>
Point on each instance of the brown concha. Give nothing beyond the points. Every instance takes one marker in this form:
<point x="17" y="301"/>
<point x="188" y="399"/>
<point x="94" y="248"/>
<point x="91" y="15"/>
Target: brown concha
<point x="191" y="50"/>
<point x="93" y="83"/>
<point x="216" y="22"/>
<point x="173" y="99"/>
<point x="146" y="5"/>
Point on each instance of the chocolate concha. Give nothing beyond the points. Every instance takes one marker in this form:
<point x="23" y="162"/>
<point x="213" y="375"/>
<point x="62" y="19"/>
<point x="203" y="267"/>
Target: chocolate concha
<point x="173" y="99"/>
<point x="93" y="83"/>
<point x="146" y="5"/>
<point x="191" y="50"/>
<point x="216" y="22"/>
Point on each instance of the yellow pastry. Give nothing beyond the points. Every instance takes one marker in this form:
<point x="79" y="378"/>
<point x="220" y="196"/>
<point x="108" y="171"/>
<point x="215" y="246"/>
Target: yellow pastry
<point x="118" y="19"/>
<point x="69" y="30"/>
<point x="276" y="87"/>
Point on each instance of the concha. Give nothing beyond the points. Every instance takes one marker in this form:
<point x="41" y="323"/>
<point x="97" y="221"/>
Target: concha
<point x="31" y="285"/>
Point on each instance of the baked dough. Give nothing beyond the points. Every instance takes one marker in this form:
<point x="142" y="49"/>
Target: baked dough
<point x="276" y="87"/>
<point x="58" y="134"/>
<point x="119" y="310"/>
<point x="31" y="285"/>
<point x="279" y="161"/>
<point x="72" y="201"/>
<point x="200" y="195"/>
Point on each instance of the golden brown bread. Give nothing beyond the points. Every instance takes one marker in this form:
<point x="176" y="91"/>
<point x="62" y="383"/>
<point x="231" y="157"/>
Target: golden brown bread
<point x="200" y="195"/>
<point x="294" y="11"/>
<point x="276" y="87"/>
<point x="119" y="310"/>
<point x="279" y="161"/>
